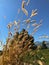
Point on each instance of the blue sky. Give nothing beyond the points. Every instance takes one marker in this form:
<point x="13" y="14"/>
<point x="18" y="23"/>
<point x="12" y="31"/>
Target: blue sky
<point x="9" y="8"/>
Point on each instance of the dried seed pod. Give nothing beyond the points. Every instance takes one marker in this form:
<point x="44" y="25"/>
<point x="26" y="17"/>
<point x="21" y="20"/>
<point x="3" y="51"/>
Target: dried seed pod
<point x="15" y="36"/>
<point x="15" y="23"/>
<point x="28" y="2"/>
<point x="28" y="21"/>
<point x="10" y="33"/>
<point x="34" y="12"/>
<point x="23" y="3"/>
<point x="20" y="36"/>
<point x="23" y="9"/>
<point x="9" y="25"/>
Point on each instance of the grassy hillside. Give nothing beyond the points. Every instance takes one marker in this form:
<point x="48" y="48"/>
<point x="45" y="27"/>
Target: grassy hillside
<point x="42" y="55"/>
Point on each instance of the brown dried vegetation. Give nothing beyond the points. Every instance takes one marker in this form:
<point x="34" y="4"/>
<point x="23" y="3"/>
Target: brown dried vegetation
<point x="16" y="48"/>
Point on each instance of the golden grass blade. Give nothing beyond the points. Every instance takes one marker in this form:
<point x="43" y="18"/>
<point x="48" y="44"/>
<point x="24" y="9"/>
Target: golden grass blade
<point x="23" y="3"/>
<point x="23" y="9"/>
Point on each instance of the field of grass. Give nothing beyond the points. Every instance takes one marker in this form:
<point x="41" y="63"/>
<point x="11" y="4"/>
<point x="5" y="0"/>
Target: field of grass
<point x="42" y="55"/>
<point x="33" y="55"/>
